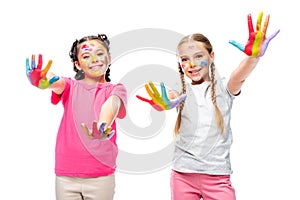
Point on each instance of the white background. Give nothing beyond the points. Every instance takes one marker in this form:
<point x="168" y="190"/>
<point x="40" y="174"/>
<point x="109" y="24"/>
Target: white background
<point x="265" y="118"/>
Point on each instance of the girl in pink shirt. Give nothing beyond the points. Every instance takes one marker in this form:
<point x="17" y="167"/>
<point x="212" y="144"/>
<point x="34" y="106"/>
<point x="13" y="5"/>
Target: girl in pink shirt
<point x="85" y="160"/>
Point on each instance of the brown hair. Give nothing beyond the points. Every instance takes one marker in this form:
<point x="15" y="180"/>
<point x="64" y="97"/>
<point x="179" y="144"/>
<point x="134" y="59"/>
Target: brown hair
<point x="219" y="118"/>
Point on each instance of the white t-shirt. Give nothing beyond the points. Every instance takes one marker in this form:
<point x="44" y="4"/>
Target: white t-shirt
<point x="200" y="146"/>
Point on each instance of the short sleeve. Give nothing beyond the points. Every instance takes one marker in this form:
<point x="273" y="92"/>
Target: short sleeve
<point x="225" y="85"/>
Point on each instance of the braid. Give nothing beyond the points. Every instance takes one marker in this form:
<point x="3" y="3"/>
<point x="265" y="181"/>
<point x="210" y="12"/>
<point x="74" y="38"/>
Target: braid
<point x="180" y="108"/>
<point x="73" y="54"/>
<point x="219" y="117"/>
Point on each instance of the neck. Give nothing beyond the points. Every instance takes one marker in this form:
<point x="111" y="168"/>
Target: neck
<point x="92" y="81"/>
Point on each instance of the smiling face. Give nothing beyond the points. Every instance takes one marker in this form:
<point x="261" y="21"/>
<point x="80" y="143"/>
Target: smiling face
<point x="195" y="59"/>
<point x="94" y="60"/>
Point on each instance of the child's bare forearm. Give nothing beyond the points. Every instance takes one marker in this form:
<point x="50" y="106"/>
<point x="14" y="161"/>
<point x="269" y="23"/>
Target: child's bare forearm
<point x="59" y="86"/>
<point x="240" y="74"/>
<point x="110" y="110"/>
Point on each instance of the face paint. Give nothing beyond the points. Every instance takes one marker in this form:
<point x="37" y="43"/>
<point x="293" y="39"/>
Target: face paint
<point x="87" y="47"/>
<point x="101" y="70"/>
<point x="203" y="63"/>
<point x="93" y="58"/>
<point x="189" y="64"/>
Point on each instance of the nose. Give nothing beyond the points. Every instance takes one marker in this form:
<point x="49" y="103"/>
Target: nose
<point x="191" y="64"/>
<point x="94" y="59"/>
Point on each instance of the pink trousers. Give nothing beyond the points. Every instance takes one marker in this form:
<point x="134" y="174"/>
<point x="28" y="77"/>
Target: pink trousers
<point x="194" y="186"/>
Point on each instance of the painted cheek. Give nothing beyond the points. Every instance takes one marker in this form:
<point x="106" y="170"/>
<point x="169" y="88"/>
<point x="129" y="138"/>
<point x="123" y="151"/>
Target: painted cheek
<point x="189" y="64"/>
<point x="85" y="62"/>
<point x="203" y="63"/>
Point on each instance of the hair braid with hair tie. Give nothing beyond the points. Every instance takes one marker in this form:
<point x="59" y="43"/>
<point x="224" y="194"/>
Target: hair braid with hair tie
<point x="181" y="105"/>
<point x="219" y="117"/>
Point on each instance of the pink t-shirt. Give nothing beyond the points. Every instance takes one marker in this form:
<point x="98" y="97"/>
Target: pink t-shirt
<point x="76" y="155"/>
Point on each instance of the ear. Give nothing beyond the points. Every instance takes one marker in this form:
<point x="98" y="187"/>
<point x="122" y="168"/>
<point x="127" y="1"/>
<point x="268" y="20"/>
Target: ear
<point x="108" y="60"/>
<point x="212" y="55"/>
<point x="77" y="65"/>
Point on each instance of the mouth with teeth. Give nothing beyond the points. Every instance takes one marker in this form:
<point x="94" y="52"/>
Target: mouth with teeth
<point x="97" y="69"/>
<point x="194" y="72"/>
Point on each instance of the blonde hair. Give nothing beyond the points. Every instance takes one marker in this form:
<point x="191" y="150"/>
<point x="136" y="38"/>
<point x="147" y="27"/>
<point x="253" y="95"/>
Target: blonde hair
<point x="219" y="118"/>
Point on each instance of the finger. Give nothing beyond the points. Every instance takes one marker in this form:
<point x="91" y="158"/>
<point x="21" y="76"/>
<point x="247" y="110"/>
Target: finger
<point x="266" y="24"/>
<point x="237" y="45"/>
<point x="107" y="132"/>
<point x="40" y="62"/>
<point x="149" y="92"/>
<point x="272" y="36"/>
<point x="102" y="127"/>
<point x="43" y="83"/>
<point x="258" y="23"/>
<point x="53" y="79"/>
<point x="156" y="93"/>
<point x="95" y="128"/>
<point x="95" y="134"/>
<point x="177" y="101"/>
<point x="86" y="130"/>
<point x="45" y="71"/>
<point x="27" y="67"/>
<point x="250" y="24"/>
<point x="32" y="61"/>
<point x="163" y="92"/>
<point x="144" y="99"/>
<point x="110" y="134"/>
<point x="267" y="41"/>
<point x="256" y="44"/>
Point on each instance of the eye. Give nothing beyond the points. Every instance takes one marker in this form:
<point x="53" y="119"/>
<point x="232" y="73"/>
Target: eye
<point x="198" y="56"/>
<point x="85" y="57"/>
<point x="184" y="59"/>
<point x="100" y="54"/>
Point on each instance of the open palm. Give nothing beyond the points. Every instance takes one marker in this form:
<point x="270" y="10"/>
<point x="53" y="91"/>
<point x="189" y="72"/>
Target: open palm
<point x="257" y="42"/>
<point x="161" y="101"/>
<point x="36" y="75"/>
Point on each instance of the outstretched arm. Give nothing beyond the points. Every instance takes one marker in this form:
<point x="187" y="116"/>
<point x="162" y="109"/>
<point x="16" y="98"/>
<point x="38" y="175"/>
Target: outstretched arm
<point x="58" y="86"/>
<point x="254" y="49"/>
<point x="109" y="111"/>
<point x="240" y="74"/>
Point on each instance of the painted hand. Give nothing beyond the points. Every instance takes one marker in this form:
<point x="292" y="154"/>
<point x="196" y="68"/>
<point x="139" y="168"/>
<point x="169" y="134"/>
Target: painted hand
<point x="257" y="42"/>
<point x="160" y="102"/>
<point x="96" y="133"/>
<point x="36" y="75"/>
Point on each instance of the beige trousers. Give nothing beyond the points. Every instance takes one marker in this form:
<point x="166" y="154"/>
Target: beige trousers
<point x="71" y="188"/>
